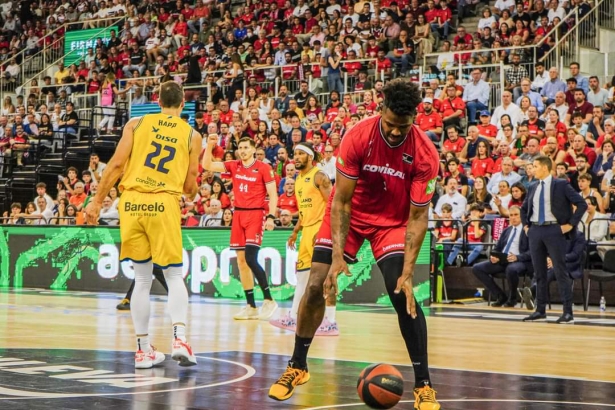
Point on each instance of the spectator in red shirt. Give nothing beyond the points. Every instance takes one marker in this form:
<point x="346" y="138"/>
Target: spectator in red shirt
<point x="288" y="200"/>
<point x="482" y="164"/>
<point x="226" y="114"/>
<point x="466" y="44"/>
<point x="486" y="130"/>
<point x="453" y="143"/>
<point x="580" y="105"/>
<point x="430" y="121"/>
<point x="579" y="146"/>
<point x="453" y="107"/>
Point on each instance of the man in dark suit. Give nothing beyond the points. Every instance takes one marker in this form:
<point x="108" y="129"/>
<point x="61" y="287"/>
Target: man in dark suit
<point x="547" y="211"/>
<point x="515" y="244"/>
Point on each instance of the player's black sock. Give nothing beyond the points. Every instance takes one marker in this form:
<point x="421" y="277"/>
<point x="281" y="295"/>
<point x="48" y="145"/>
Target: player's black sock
<point x="250" y="297"/>
<point x="302" y="345"/>
<point x="414" y="331"/>
<point x="257" y="270"/>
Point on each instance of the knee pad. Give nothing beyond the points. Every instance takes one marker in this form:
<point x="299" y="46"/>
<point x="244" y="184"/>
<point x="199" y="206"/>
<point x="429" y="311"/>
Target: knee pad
<point x="252" y="256"/>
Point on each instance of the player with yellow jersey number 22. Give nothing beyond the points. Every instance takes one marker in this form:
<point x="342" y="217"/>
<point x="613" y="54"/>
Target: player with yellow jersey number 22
<point x="158" y="155"/>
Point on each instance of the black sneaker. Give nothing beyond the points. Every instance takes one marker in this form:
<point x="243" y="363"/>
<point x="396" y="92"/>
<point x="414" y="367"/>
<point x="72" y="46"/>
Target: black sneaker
<point x="565" y="319"/>
<point x="510" y="304"/>
<point x="500" y="302"/>
<point x="123" y="305"/>
<point x="536" y="317"/>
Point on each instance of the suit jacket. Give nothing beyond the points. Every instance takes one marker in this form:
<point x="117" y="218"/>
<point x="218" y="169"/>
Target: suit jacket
<point x="524" y="246"/>
<point x="562" y="199"/>
<point x="574" y="253"/>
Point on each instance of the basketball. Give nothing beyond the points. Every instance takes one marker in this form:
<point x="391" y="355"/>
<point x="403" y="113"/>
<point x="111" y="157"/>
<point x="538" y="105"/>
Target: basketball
<point x="380" y="386"/>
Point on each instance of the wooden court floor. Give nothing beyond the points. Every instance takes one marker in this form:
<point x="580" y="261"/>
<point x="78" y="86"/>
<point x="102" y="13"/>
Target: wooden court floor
<point x="73" y="350"/>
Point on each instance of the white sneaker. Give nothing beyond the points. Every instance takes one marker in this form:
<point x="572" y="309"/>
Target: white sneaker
<point x="145" y="360"/>
<point x="267" y="310"/>
<point x="285" y="322"/>
<point x="247" y="313"/>
<point x="182" y="353"/>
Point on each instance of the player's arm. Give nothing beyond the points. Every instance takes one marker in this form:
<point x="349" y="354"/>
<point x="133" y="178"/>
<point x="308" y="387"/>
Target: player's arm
<point x="114" y="169"/>
<point x="323" y="183"/>
<point x="208" y="159"/>
<point x="340" y="213"/>
<point x="190" y="185"/>
<point x="272" y="192"/>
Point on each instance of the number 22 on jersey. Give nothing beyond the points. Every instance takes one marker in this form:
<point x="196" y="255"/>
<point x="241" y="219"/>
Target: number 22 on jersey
<point x="157" y="152"/>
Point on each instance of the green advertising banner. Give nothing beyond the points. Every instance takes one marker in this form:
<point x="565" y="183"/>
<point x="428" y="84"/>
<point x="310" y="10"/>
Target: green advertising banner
<point x="81" y="40"/>
<point x="84" y="258"/>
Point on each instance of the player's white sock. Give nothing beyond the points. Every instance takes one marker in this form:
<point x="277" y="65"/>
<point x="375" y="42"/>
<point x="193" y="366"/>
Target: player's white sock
<point x="330" y="313"/>
<point x="302" y="281"/>
<point x="179" y="331"/>
<point x="178" y="297"/>
<point x="143" y="343"/>
<point x="139" y="303"/>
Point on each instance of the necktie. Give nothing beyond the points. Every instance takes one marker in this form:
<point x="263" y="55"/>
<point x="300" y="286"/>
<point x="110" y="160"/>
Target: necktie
<point x="541" y="204"/>
<point x="510" y="241"/>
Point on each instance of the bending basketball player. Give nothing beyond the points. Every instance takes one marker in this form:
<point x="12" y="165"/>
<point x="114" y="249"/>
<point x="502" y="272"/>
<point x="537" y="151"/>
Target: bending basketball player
<point x="253" y="181"/>
<point x="313" y="188"/>
<point x="386" y="174"/>
<point x="159" y="154"/>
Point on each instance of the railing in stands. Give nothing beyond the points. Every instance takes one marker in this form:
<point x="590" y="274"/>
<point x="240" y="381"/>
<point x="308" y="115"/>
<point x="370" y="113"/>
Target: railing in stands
<point x="53" y="53"/>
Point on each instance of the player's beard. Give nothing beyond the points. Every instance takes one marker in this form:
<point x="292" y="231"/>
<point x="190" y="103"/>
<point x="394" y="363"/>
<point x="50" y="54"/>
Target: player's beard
<point x="299" y="166"/>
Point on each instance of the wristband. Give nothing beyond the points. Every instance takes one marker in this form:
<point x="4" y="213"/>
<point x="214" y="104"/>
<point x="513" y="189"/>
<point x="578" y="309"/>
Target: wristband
<point x="270" y="216"/>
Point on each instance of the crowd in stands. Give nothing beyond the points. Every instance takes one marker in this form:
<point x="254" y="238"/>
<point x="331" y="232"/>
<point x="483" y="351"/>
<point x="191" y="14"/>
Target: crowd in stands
<point x="275" y="72"/>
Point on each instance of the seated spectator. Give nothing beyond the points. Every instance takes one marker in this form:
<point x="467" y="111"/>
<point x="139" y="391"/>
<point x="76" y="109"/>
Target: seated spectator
<point x="486" y="130"/>
<point x="430" y="121"/>
<point x="78" y="196"/>
<point x="604" y="161"/>
<point x="580" y="106"/>
<point x="327" y="164"/>
<point x="453" y="142"/>
<point x="452" y="169"/>
<point x="218" y="191"/>
<point x="446" y="230"/>
<point x="507" y="174"/>
<point x="453" y="198"/>
<point x="475" y="230"/>
<point x="585" y="184"/>
<point x="227" y="218"/>
<point x="285" y="220"/>
<point x="480" y="195"/>
<point x="213" y="217"/>
<point x="535" y="98"/>
<point x="202" y="199"/>
<point x="453" y="107"/>
<point x="502" y="199"/>
<point x="287" y="200"/>
<point x="69" y="123"/>
<point x="108" y="214"/>
<point x="515" y="244"/>
<point x="595" y="224"/>
<point x="507" y="108"/>
<point x="518" y="193"/>
<point x="482" y="164"/>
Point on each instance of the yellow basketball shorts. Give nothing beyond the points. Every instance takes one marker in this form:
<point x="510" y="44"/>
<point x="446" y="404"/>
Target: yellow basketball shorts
<point x="150" y="228"/>
<point x="306" y="246"/>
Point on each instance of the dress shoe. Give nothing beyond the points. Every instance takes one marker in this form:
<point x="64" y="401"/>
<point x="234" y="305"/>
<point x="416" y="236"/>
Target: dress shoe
<point x="565" y="319"/>
<point x="536" y="317"/>
<point x="510" y="304"/>
<point x="500" y="302"/>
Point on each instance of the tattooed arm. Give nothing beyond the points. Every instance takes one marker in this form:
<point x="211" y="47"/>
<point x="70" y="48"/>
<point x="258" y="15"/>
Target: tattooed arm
<point x="340" y="224"/>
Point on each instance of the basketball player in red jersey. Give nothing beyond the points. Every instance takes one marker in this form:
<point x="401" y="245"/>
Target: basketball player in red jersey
<point x="386" y="176"/>
<point x="253" y="180"/>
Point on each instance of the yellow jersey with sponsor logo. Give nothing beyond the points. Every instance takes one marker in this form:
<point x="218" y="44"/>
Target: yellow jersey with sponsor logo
<point x="310" y="201"/>
<point x="160" y="155"/>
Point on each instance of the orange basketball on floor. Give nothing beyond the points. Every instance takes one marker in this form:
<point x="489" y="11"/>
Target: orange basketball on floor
<point x="380" y="386"/>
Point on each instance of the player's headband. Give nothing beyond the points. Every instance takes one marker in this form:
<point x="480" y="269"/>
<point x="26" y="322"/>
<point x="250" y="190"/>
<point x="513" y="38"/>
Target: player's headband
<point x="305" y="149"/>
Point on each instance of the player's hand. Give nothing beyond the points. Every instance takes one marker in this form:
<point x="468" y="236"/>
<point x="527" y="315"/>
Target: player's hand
<point x="269" y="225"/>
<point x="337" y="267"/>
<point x="404" y="283"/>
<point x="292" y="239"/>
<point x="92" y="211"/>
<point x="212" y="141"/>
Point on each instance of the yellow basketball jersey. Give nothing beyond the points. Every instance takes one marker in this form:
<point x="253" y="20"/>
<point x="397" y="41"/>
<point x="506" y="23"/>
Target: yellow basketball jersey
<point x="160" y="155"/>
<point x="311" y="203"/>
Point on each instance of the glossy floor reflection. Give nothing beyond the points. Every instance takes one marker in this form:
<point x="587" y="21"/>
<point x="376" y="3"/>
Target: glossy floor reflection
<point x="62" y="350"/>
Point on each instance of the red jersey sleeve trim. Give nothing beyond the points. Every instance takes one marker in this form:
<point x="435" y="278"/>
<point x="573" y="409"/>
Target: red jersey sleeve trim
<point x="347" y="175"/>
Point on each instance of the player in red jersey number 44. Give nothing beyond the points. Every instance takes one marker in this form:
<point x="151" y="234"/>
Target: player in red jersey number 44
<point x="253" y="181"/>
<point x="386" y="175"/>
